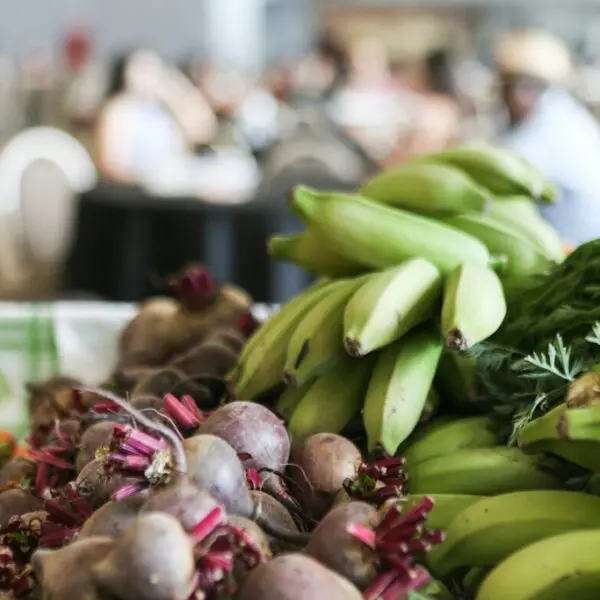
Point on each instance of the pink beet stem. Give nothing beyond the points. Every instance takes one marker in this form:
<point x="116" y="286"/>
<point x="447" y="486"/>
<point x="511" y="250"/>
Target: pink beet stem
<point x="41" y="478"/>
<point x="58" y="537"/>
<point x="78" y="401"/>
<point x="46" y="457"/>
<point x="362" y="533"/>
<point x="143" y="442"/>
<point x="105" y="407"/>
<point x="374" y="591"/>
<point x="399" y="533"/>
<point x="62" y="514"/>
<point x="403" y="586"/>
<point x="220" y="560"/>
<point x="179" y="412"/>
<point x="136" y="463"/>
<point x="191" y="405"/>
<point x="128" y="490"/>
<point x="214" y="518"/>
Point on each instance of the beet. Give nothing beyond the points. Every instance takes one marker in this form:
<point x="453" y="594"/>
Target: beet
<point x="112" y="519"/>
<point x="95" y="437"/>
<point x="321" y="465"/>
<point x="96" y="486"/>
<point x="182" y="500"/>
<point x="16" y="470"/>
<point x="333" y="546"/>
<point x="207" y="358"/>
<point x="214" y="466"/>
<point x="65" y="574"/>
<point x="158" y="383"/>
<point x="296" y="577"/>
<point x="273" y="512"/>
<point x="17" y="502"/>
<point x="255" y="533"/>
<point x="253" y="430"/>
<point x="152" y="560"/>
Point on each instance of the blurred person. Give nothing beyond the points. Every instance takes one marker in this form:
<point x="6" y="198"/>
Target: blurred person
<point x="149" y="117"/>
<point x="551" y="129"/>
<point x="366" y="104"/>
<point x="435" y="115"/>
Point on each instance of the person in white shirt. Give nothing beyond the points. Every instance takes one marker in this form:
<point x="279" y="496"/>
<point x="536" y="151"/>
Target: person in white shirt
<point x="551" y="129"/>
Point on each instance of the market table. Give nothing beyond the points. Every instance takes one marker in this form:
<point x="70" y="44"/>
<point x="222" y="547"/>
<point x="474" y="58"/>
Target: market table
<point x="127" y="242"/>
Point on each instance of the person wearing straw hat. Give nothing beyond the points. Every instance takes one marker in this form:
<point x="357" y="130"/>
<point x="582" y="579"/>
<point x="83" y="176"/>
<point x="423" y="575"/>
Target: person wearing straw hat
<point x="550" y="128"/>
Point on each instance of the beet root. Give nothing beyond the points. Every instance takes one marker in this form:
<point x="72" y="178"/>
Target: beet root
<point x="273" y="512"/>
<point x="321" y="465"/>
<point x="95" y="437"/>
<point x="255" y="533"/>
<point x="296" y="577"/>
<point x="152" y="560"/>
<point x="333" y="546"/>
<point x="65" y="574"/>
<point x="17" y="502"/>
<point x="212" y="464"/>
<point x="112" y="519"/>
<point x="97" y="486"/>
<point x="16" y="470"/>
<point x="182" y="500"/>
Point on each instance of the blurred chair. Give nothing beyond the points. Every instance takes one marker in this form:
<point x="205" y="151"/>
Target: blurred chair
<point x="42" y="173"/>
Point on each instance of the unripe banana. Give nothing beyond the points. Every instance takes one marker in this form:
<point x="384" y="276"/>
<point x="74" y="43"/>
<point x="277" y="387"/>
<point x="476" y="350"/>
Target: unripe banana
<point x="502" y="172"/>
<point x="427" y="188"/>
<point x="317" y="343"/>
<point x="441" y="439"/>
<point x="456" y="379"/>
<point x="521" y="214"/>
<point x="310" y="252"/>
<point x="483" y="472"/>
<point x="493" y="528"/>
<point x="562" y="567"/>
<point x="432" y="404"/>
<point x="332" y="400"/>
<point x="289" y="400"/>
<point x="389" y="304"/>
<point x="398" y="389"/>
<point x="445" y="509"/>
<point x="472" y="581"/>
<point x="474" y="306"/>
<point x="380" y="236"/>
<point x="524" y="258"/>
<point x="584" y="454"/>
<point x="261" y="365"/>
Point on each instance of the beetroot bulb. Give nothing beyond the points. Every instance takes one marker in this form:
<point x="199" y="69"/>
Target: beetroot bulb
<point x="160" y="459"/>
<point x="326" y="464"/>
<point x="296" y="577"/>
<point x="65" y="574"/>
<point x="96" y="437"/>
<point x="254" y="432"/>
<point x="152" y="560"/>
<point x="112" y="519"/>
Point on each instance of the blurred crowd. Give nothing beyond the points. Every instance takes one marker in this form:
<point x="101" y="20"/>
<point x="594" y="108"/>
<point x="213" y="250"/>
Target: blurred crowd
<point x="338" y="114"/>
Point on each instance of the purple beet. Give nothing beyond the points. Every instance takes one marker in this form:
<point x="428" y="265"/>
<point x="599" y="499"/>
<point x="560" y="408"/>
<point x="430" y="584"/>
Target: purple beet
<point x="152" y="560"/>
<point x="296" y="577"/>
<point x="16" y="502"/>
<point x="112" y="519"/>
<point x="95" y="437"/>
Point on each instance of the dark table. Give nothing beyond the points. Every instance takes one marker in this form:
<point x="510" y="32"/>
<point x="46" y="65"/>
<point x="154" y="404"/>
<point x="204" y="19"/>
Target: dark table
<point x="127" y="243"/>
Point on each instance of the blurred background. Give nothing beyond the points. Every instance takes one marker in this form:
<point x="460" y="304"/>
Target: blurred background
<point x="140" y="135"/>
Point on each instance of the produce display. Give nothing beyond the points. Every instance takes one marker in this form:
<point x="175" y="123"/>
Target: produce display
<point x="421" y="423"/>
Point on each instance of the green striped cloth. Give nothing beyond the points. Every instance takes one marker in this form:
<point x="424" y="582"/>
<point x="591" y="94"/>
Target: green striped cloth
<point x="28" y="352"/>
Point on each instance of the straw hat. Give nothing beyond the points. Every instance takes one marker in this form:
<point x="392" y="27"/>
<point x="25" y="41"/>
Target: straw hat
<point x="534" y="53"/>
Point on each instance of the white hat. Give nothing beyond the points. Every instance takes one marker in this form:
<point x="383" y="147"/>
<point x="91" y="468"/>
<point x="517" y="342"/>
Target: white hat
<point x="535" y="54"/>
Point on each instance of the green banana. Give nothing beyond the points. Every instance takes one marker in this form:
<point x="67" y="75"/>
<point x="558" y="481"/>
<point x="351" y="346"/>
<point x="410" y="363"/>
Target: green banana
<point x="561" y="567"/>
<point x="456" y="378"/>
<point x="398" y="389"/>
<point x="389" y="304"/>
<point x="289" y="400"/>
<point x="544" y="428"/>
<point x="488" y="531"/>
<point x="310" y="252"/>
<point x="521" y="214"/>
<point x="440" y="439"/>
<point x="261" y="365"/>
<point x="427" y="188"/>
<point x="481" y="471"/>
<point x="474" y="306"/>
<point x="432" y="404"/>
<point x="380" y="236"/>
<point x="332" y="400"/>
<point x="524" y="258"/>
<point x="584" y="454"/>
<point x="500" y="171"/>
<point x="472" y="581"/>
<point x="445" y="509"/>
<point x="317" y="342"/>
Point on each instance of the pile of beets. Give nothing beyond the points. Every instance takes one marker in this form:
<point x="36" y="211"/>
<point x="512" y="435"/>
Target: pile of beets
<point x="149" y="488"/>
